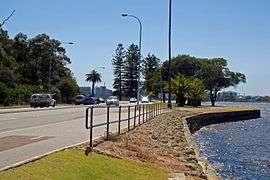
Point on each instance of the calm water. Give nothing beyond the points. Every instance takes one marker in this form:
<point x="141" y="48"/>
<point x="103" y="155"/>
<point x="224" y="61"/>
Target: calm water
<point x="239" y="150"/>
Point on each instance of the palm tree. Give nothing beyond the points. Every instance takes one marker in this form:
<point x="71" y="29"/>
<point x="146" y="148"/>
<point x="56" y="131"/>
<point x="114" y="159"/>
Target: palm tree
<point x="93" y="77"/>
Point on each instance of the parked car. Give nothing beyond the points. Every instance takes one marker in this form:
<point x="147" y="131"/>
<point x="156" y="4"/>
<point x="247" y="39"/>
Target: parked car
<point x="132" y="100"/>
<point x="101" y="100"/>
<point x="89" y="100"/>
<point x="112" y="101"/>
<point x="79" y="99"/>
<point x="42" y="100"/>
<point x="145" y="99"/>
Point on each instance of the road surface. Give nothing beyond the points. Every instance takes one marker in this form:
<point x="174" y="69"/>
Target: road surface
<point x="25" y="135"/>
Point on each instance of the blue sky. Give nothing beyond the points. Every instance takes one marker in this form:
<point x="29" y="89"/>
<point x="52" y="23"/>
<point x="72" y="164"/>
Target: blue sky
<point x="236" y="30"/>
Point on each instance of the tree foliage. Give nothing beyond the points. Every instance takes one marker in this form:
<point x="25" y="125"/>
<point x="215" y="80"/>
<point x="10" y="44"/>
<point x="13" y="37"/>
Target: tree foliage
<point x="152" y="78"/>
<point x="118" y="65"/>
<point x="216" y="76"/>
<point x="93" y="77"/>
<point x="131" y="71"/>
<point x="24" y="64"/>
<point x="213" y="73"/>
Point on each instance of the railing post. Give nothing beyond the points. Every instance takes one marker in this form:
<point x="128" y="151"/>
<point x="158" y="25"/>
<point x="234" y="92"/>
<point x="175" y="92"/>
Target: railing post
<point x="155" y="110"/>
<point x="91" y="128"/>
<point x="135" y="109"/>
<point x="108" y="122"/>
<point x="119" y="120"/>
<point x="128" y="117"/>
<point x="139" y="114"/>
<point x="146" y="112"/>
<point x="143" y="112"/>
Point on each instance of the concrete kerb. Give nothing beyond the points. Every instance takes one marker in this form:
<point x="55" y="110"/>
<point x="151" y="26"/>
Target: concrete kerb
<point x="33" y="110"/>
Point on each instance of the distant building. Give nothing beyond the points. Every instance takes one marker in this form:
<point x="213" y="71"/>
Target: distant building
<point x="227" y="96"/>
<point x="86" y="90"/>
<point x="102" y="91"/>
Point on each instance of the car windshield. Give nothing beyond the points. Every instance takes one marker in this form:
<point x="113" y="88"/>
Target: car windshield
<point x="34" y="96"/>
<point x="112" y="97"/>
<point x="79" y="97"/>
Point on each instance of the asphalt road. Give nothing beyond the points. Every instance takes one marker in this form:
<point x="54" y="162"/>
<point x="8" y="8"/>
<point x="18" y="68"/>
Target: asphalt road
<point x="25" y="135"/>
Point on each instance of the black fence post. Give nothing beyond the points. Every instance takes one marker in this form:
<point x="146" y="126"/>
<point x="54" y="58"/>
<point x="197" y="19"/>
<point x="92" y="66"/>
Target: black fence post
<point x="139" y="114"/>
<point x="146" y="112"/>
<point x="91" y="128"/>
<point x="143" y="112"/>
<point x="135" y="109"/>
<point x="108" y="122"/>
<point x="128" y="117"/>
<point x="119" y="120"/>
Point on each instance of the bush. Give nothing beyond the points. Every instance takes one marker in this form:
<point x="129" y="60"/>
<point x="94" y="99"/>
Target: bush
<point x="19" y="94"/>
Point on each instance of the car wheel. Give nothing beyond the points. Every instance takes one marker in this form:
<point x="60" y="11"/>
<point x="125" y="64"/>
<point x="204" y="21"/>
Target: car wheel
<point x="53" y="104"/>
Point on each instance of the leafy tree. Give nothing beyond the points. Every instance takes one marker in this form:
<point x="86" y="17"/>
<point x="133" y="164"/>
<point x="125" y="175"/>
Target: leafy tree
<point x="68" y="89"/>
<point x="118" y="65"/>
<point x="93" y="77"/>
<point x="180" y="87"/>
<point x="195" y="92"/>
<point x="216" y="76"/>
<point x="24" y="65"/>
<point x="151" y="76"/>
<point x="183" y="64"/>
<point x="131" y="71"/>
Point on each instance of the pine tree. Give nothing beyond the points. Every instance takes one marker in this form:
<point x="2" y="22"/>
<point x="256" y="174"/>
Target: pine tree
<point x="131" y="71"/>
<point x="152" y="78"/>
<point x="118" y="64"/>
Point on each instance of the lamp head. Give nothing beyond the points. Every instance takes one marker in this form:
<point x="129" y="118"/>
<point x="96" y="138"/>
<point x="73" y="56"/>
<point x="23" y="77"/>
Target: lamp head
<point x="124" y="15"/>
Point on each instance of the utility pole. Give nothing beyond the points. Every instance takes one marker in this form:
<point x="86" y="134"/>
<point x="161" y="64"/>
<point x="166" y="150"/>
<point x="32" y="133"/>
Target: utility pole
<point x="170" y="71"/>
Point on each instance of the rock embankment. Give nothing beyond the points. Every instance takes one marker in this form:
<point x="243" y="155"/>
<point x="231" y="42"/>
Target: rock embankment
<point x="162" y="142"/>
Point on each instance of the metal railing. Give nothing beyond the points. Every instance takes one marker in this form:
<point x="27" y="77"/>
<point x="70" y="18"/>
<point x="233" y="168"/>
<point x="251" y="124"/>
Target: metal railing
<point x="138" y="114"/>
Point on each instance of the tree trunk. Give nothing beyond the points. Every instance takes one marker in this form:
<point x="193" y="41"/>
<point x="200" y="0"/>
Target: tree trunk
<point x="213" y="97"/>
<point x="93" y="89"/>
<point x="180" y="100"/>
<point x="163" y="97"/>
<point x="120" y="88"/>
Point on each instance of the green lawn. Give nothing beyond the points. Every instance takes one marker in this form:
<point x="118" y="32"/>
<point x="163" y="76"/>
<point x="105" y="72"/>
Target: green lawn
<point x="73" y="164"/>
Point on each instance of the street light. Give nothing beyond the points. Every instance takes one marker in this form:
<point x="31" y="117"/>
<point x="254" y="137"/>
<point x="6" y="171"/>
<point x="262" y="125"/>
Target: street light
<point x="50" y="65"/>
<point x="140" y="48"/>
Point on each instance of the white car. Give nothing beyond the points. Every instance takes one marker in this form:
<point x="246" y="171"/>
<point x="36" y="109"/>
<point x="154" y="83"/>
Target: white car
<point x="132" y="100"/>
<point x="42" y="100"/>
<point x="112" y="101"/>
<point x="145" y="100"/>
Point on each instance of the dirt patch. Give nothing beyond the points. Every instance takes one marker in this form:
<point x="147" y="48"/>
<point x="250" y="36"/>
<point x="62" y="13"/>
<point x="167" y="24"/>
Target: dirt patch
<point x="161" y="141"/>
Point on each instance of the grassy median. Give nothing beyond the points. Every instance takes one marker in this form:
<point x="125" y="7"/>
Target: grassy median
<point x="73" y="164"/>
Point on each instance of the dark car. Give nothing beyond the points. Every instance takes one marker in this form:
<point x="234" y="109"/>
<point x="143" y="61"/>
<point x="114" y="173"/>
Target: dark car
<point x="79" y="99"/>
<point x="89" y="101"/>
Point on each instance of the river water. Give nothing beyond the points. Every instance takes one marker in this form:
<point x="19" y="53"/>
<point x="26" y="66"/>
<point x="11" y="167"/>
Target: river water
<point x="239" y="150"/>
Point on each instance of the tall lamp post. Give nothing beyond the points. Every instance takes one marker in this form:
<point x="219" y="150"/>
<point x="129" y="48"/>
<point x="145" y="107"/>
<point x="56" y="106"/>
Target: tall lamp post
<point x="140" y="48"/>
<point x="170" y="51"/>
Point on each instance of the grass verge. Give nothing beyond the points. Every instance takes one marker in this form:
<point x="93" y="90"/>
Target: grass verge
<point x="73" y="164"/>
